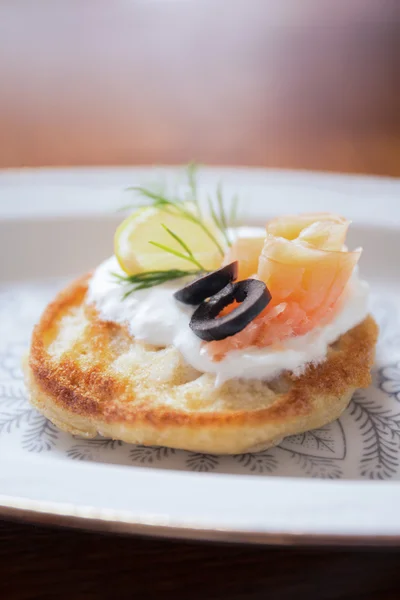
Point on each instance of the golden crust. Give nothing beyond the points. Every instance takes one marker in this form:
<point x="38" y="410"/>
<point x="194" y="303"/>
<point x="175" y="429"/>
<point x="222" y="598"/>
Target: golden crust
<point x="89" y="376"/>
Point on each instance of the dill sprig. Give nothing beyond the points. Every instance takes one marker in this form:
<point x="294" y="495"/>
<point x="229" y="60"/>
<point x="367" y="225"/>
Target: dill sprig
<point x="191" y="172"/>
<point x="179" y="207"/>
<point x="149" y="279"/>
<point x="218" y="214"/>
<point x="187" y="207"/>
<point x="188" y="255"/>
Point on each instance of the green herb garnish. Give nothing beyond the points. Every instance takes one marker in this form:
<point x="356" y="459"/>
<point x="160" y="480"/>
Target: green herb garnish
<point x="148" y="279"/>
<point x="176" y="205"/>
<point x="186" y="207"/>
<point x="188" y="253"/>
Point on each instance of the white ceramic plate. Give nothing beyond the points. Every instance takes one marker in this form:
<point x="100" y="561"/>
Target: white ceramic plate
<point x="339" y="484"/>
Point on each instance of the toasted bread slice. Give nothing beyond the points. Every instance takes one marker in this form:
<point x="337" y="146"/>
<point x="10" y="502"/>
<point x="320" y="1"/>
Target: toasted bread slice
<point x="91" y="377"/>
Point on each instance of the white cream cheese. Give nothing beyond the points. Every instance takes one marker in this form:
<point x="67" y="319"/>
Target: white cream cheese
<point x="155" y="317"/>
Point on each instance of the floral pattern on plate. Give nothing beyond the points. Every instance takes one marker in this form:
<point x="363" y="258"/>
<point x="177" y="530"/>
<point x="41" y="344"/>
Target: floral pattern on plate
<point x="363" y="444"/>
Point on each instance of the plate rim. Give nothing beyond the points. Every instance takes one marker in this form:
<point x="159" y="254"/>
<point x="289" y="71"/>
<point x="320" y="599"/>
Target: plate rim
<point x="93" y="518"/>
<point x="33" y="513"/>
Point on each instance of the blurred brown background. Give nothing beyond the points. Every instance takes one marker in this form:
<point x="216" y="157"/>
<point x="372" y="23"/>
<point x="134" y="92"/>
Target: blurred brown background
<point x="309" y="84"/>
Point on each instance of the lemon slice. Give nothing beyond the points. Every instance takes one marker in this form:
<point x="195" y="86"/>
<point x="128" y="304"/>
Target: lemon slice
<point x="135" y="254"/>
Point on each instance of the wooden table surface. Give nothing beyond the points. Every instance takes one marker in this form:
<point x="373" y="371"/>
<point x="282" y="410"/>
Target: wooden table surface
<point x="38" y="562"/>
<point x="280" y="83"/>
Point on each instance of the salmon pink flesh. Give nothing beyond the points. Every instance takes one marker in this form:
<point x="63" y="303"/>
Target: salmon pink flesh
<point x="306" y="267"/>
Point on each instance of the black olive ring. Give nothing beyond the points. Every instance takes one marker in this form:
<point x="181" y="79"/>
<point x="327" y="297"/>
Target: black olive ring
<point x="252" y="295"/>
<point x="204" y="287"/>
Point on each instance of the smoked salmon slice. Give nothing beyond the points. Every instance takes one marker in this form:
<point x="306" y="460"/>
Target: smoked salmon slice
<point x="306" y="267"/>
